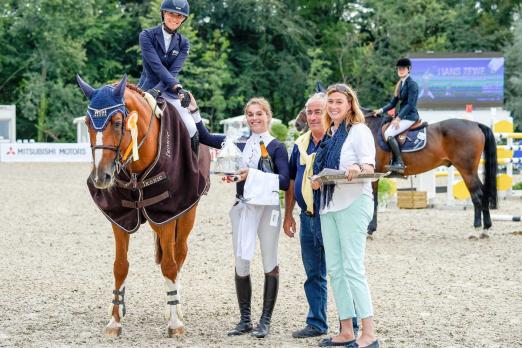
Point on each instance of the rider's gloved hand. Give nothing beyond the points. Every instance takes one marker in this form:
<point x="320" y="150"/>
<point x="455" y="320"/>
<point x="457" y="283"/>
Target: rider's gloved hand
<point x="154" y="92"/>
<point x="377" y="112"/>
<point x="183" y="94"/>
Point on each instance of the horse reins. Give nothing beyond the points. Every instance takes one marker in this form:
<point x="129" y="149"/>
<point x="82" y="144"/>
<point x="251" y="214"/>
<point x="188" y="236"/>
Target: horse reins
<point x="120" y="165"/>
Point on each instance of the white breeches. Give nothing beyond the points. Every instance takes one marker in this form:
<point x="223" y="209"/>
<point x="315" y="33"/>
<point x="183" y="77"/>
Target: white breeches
<point x="185" y="115"/>
<point x="392" y="131"/>
<point x="268" y="227"/>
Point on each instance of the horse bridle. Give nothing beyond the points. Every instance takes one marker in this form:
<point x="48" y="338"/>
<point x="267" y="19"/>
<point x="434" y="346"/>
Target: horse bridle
<point x="117" y="149"/>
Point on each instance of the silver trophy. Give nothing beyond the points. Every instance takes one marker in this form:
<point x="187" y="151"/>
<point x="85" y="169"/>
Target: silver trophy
<point x="229" y="159"/>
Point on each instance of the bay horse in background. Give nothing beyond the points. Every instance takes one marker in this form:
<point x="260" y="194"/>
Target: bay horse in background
<point x="450" y="142"/>
<point x="122" y="120"/>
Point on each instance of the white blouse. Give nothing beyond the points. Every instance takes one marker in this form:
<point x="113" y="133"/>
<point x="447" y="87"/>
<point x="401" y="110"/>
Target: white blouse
<point x="359" y="147"/>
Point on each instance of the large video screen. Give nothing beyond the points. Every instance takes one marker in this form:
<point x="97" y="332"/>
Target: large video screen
<point x="455" y="80"/>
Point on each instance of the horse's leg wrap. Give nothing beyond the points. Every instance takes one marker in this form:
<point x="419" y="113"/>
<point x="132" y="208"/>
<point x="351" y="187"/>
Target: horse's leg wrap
<point x="114" y="327"/>
<point x="118" y="300"/>
<point x="173" y="309"/>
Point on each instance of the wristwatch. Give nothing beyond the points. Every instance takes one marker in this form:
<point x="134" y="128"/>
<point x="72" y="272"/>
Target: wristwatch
<point x="177" y="88"/>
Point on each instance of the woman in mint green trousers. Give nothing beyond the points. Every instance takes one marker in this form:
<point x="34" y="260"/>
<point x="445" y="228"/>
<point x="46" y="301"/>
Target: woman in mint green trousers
<point x="346" y="211"/>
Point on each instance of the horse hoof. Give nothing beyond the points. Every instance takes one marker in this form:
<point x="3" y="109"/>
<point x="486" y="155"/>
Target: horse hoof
<point x="369" y="236"/>
<point x="472" y="236"/>
<point x="112" y="331"/>
<point x="484" y="235"/>
<point x="177" y="332"/>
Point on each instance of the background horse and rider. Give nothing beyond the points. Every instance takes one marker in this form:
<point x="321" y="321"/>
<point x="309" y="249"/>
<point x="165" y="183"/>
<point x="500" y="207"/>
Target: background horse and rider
<point x="144" y="169"/>
<point x="453" y="142"/>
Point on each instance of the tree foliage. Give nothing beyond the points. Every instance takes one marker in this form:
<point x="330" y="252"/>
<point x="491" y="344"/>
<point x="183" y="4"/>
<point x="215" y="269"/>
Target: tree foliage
<point x="239" y="49"/>
<point x="514" y="74"/>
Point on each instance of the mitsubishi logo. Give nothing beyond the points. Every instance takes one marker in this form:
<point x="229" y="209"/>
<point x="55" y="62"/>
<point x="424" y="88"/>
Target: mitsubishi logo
<point x="11" y="151"/>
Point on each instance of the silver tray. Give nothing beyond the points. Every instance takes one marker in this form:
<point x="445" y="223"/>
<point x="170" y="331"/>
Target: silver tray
<point x="334" y="176"/>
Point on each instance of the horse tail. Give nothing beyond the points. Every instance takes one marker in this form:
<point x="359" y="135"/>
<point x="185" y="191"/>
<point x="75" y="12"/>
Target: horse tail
<point x="159" y="251"/>
<point x="490" y="168"/>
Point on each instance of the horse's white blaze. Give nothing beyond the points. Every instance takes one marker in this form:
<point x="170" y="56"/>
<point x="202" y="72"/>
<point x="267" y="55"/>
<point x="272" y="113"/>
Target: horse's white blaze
<point x="173" y="312"/>
<point x="98" y="153"/>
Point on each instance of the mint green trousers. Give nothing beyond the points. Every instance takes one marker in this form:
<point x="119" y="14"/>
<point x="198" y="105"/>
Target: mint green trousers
<point x="344" y="239"/>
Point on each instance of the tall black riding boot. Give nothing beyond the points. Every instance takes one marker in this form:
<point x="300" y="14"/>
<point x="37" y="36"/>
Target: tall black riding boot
<point x="397" y="164"/>
<point x="194" y="143"/>
<point x="269" y="300"/>
<point x="244" y="295"/>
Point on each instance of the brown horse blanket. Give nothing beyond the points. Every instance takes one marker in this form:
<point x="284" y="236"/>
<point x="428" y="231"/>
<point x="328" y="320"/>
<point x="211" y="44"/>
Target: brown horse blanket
<point x="166" y="190"/>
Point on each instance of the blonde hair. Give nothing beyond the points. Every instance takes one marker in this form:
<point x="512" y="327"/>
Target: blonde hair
<point x="354" y="115"/>
<point x="262" y="102"/>
<point x="397" y="88"/>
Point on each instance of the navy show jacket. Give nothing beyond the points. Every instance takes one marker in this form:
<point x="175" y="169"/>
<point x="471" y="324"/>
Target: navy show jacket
<point x="408" y="101"/>
<point x="161" y="65"/>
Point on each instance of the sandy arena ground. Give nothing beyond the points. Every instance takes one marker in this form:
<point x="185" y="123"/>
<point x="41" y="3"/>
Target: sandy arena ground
<point x="432" y="287"/>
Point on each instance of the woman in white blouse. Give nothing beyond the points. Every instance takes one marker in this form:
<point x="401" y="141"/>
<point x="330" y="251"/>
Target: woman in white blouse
<point x="346" y="211"/>
<point x="256" y="211"/>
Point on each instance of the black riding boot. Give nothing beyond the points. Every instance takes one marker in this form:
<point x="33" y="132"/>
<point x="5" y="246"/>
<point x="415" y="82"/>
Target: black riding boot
<point x="244" y="295"/>
<point x="269" y="300"/>
<point x="397" y="163"/>
<point x="194" y="143"/>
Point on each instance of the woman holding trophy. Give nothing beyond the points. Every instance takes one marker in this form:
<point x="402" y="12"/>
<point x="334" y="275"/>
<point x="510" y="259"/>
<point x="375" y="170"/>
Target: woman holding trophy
<point x="261" y="173"/>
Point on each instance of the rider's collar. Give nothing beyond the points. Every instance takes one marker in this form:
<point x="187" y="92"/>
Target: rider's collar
<point x="167" y="30"/>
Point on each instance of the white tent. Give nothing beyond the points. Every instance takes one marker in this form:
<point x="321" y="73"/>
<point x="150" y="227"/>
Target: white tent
<point x="239" y="123"/>
<point x="7" y="123"/>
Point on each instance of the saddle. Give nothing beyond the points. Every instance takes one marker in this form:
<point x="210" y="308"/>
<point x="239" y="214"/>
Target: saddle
<point x="412" y="139"/>
<point x="401" y="137"/>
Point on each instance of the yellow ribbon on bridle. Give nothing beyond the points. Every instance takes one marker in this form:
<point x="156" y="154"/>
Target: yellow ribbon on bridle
<point x="132" y="126"/>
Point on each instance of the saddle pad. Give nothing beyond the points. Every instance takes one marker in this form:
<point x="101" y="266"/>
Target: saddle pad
<point x="415" y="141"/>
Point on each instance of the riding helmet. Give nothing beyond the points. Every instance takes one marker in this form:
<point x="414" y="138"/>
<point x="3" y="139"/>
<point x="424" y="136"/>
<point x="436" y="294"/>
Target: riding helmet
<point x="176" y="6"/>
<point x="403" y="63"/>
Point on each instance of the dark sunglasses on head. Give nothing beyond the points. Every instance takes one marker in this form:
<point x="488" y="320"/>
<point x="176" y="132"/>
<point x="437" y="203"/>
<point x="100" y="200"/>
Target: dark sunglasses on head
<point x="341" y="88"/>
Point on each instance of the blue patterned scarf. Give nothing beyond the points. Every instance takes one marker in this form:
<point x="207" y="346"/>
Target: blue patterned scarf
<point x="328" y="156"/>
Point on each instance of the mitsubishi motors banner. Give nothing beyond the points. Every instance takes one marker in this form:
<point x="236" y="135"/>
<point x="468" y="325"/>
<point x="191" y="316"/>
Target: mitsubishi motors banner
<point x="45" y="152"/>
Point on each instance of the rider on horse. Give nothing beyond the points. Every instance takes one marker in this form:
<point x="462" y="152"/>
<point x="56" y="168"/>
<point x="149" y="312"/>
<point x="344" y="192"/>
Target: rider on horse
<point x="406" y="93"/>
<point x="164" y="52"/>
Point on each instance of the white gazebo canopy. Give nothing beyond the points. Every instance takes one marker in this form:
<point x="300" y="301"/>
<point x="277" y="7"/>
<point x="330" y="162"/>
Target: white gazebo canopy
<point x="239" y="123"/>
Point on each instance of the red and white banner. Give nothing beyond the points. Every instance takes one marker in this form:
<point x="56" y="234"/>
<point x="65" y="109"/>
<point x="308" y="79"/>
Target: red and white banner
<point x="45" y="152"/>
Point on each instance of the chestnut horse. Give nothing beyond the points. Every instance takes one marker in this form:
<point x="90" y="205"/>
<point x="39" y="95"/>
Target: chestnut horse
<point x="454" y="142"/>
<point x="111" y="140"/>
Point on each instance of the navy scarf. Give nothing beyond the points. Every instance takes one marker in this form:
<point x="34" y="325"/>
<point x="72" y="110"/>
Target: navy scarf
<point x="328" y="156"/>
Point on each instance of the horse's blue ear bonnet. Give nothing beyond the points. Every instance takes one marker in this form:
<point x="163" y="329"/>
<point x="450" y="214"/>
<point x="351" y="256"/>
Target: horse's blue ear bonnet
<point x="104" y="104"/>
